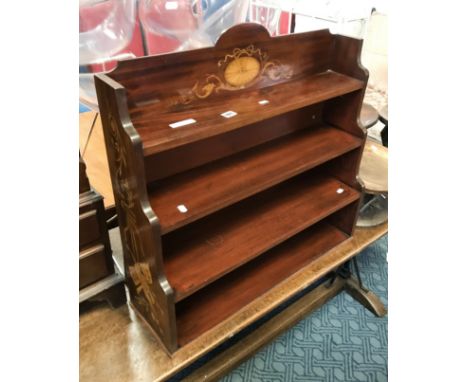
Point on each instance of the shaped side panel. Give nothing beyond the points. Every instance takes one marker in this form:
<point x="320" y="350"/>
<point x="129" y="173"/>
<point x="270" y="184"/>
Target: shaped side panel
<point x="150" y="292"/>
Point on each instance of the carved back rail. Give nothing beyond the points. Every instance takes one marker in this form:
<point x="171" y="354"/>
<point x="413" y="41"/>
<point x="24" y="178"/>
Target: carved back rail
<point x="180" y="79"/>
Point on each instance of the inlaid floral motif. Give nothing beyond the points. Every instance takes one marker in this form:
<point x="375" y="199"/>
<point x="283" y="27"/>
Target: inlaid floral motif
<point x="139" y="270"/>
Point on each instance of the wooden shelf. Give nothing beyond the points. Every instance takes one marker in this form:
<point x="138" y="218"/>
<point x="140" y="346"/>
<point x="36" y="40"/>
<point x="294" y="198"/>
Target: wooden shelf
<point x="226" y="240"/>
<point x="225" y="207"/>
<point x="218" y="301"/>
<point x="211" y="187"/>
<point x="152" y="119"/>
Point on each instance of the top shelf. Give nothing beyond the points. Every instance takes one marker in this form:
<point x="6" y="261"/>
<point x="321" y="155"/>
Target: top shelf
<point x="152" y="119"/>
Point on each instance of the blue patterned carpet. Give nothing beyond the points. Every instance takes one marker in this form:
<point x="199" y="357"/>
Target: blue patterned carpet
<point x="341" y="341"/>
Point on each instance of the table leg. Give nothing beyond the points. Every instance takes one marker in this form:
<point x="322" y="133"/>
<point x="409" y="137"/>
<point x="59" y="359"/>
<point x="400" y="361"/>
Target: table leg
<point x="384" y="135"/>
<point x="356" y="288"/>
<point x="365" y="297"/>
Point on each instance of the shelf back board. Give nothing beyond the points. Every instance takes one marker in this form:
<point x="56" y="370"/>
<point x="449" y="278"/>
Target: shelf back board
<point x="171" y="75"/>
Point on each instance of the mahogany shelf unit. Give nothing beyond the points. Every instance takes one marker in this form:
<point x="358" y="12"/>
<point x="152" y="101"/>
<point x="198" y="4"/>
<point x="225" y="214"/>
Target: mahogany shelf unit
<point x="233" y="167"/>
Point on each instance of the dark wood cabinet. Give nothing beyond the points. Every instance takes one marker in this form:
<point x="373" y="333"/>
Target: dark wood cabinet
<point x="98" y="278"/>
<point x="233" y="167"/>
<point x="95" y="251"/>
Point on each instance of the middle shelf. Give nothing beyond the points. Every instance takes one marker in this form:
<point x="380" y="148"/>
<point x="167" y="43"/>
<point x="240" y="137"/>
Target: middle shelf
<point x="211" y="187"/>
<point x="229" y="238"/>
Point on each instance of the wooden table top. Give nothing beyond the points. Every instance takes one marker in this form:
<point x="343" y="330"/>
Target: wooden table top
<point x="369" y="115"/>
<point x="116" y="346"/>
<point x="373" y="170"/>
<point x="95" y="157"/>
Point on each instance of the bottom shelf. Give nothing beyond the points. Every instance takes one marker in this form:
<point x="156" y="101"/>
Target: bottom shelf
<point x="213" y="304"/>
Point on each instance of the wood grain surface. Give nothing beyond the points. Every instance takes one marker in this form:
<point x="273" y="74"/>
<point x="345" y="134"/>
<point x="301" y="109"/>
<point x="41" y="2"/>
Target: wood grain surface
<point x="116" y="345"/>
<point x="187" y="216"/>
<point x="226" y="240"/>
<point x="196" y="314"/>
<point x="151" y="294"/>
<point x="153" y="124"/>
<point x="219" y="184"/>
